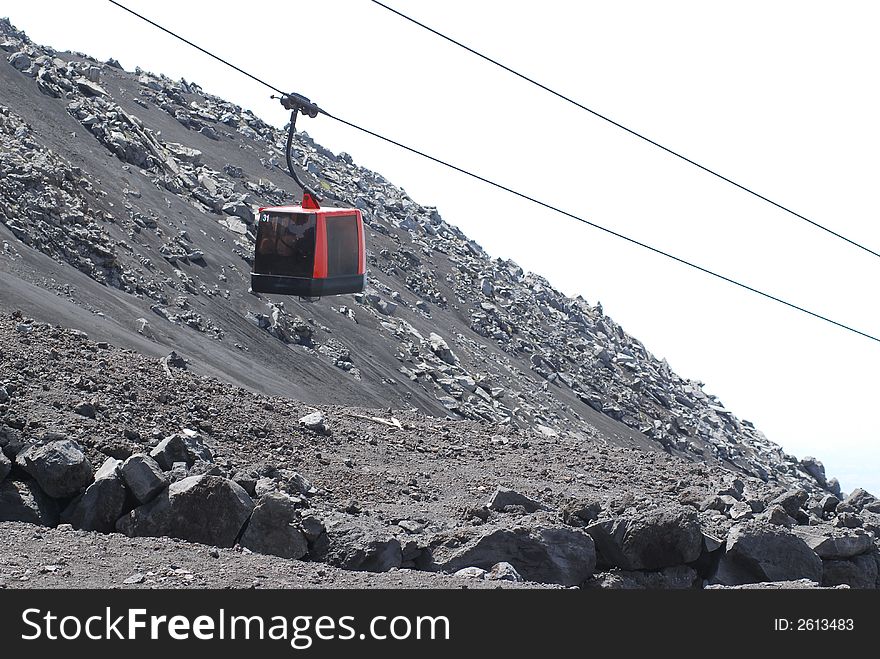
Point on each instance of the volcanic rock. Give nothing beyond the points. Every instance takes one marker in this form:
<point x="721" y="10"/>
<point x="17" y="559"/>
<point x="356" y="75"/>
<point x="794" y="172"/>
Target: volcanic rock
<point x="144" y="477"/>
<point x="503" y="497"/>
<point x="101" y="505"/>
<point x="24" y="501"/>
<point x="857" y="572"/>
<point x="273" y="528"/>
<point x="756" y="551"/>
<point x="681" y="577"/>
<point x="835" y="543"/>
<point x="206" y="509"/>
<point x="60" y="467"/>
<point x="860" y="499"/>
<point x="549" y="555"/>
<point x="661" y="538"/>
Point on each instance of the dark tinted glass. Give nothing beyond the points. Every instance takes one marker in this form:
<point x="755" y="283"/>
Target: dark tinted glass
<point x="285" y="244"/>
<point x="342" y="245"/>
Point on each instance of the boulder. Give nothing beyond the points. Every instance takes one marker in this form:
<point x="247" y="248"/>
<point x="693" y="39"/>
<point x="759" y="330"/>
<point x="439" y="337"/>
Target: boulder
<point x="757" y="551"/>
<point x="680" y="577"/>
<point x="860" y="499"/>
<point x="740" y="511"/>
<point x="503" y="497"/>
<point x="791" y="501"/>
<point x="777" y="516"/>
<point x="833" y="543"/>
<point x="188" y="448"/>
<point x="143" y="477"/>
<point x="101" y="505"/>
<point x="274" y="528"/>
<point x="829" y="503"/>
<point x="440" y="348"/>
<point x="11" y="442"/>
<point x="311" y="527"/>
<point x="581" y="512"/>
<point x="20" y="61"/>
<point x="661" y="538"/>
<point x="110" y="467"/>
<point x="472" y="572"/>
<point x="833" y="486"/>
<point x="359" y="544"/>
<point x="849" y="521"/>
<point x="60" y="467"/>
<point x="207" y="509"/>
<point x="564" y="556"/>
<point x="24" y="501"/>
<point x="86" y="408"/>
<point x="296" y="482"/>
<point x="815" y="469"/>
<point x="503" y="572"/>
<point x="857" y="572"/>
<point x="314" y="422"/>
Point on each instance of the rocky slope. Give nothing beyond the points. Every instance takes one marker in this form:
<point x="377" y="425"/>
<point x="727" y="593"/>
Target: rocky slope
<point x="125" y="211"/>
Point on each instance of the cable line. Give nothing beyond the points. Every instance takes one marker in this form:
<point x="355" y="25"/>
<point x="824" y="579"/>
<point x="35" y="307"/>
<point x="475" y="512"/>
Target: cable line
<point x="199" y="48"/>
<point x="628" y="130"/>
<point x="522" y="195"/>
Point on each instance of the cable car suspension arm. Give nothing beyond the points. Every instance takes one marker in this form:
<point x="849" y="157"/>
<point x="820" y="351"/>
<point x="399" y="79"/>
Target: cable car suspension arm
<point x="297" y="104"/>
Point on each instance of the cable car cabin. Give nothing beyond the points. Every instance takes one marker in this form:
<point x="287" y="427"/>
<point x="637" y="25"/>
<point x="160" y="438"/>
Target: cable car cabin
<point x="309" y="251"/>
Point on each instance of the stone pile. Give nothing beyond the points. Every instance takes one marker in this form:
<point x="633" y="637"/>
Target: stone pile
<point x="727" y="530"/>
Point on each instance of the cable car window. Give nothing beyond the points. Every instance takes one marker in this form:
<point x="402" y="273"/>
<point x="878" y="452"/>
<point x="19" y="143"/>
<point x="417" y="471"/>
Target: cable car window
<point x="343" y="251"/>
<point x="285" y="244"/>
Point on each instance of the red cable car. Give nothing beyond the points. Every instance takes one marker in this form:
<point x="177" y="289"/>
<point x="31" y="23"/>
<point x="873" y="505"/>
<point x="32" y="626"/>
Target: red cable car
<point x="309" y="251"/>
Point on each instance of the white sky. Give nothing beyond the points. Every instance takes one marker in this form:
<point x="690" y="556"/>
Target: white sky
<point x="780" y="96"/>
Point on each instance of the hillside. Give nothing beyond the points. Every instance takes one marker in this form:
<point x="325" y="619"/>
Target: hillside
<point x="126" y="214"/>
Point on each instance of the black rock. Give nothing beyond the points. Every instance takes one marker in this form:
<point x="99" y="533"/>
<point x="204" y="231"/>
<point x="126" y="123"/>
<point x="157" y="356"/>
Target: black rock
<point x="757" y="551"/>
<point x="776" y="515"/>
<point x="188" y="448"/>
<point x="176" y="360"/>
<point x="273" y="528"/>
<point x="791" y="501"/>
<point x="503" y="497"/>
<point x="857" y="572"/>
<point x="206" y="509"/>
<point x="835" y="543"/>
<point x="661" y="538"/>
<point x="564" y="556"/>
<point x="11" y="442"/>
<point x="100" y="506"/>
<point x="860" y="499"/>
<point x="143" y="477"/>
<point x="581" y="513"/>
<point x="60" y="467"/>
<point x="815" y="469"/>
<point x="680" y="577"/>
<point x="829" y="503"/>
<point x="357" y="543"/>
<point x="312" y="527"/>
<point x="86" y="409"/>
<point x="24" y="501"/>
